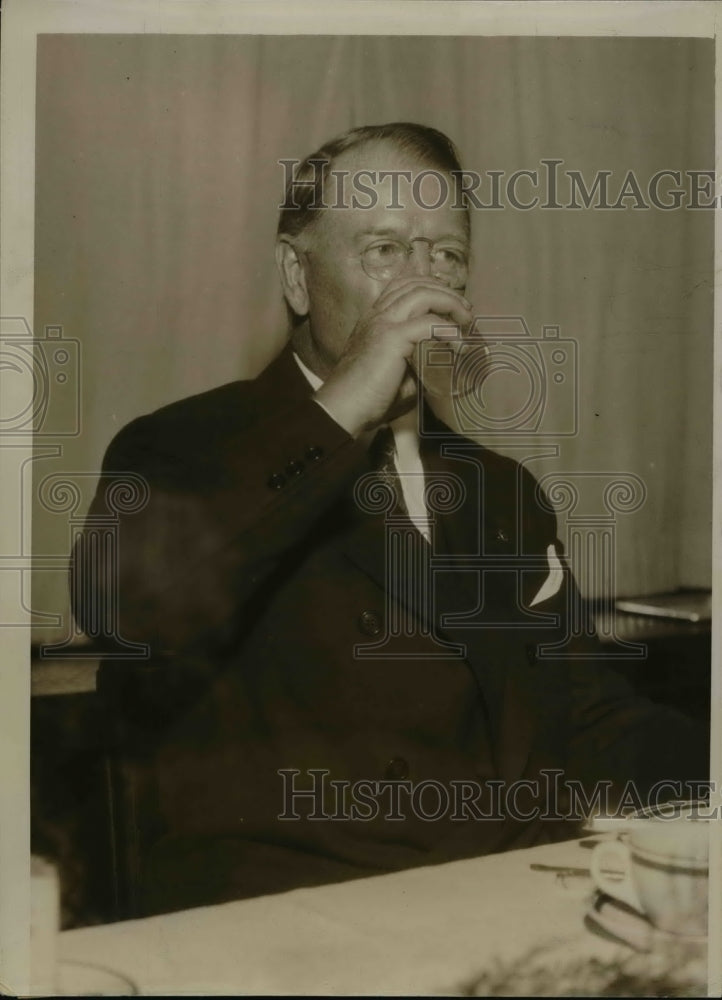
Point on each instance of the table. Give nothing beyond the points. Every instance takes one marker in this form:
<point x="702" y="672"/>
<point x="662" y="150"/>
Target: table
<point x="429" y="930"/>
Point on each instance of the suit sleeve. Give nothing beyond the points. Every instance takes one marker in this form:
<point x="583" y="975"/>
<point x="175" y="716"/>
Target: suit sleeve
<point x="641" y="748"/>
<point x="615" y="735"/>
<point x="619" y="736"/>
<point x="215" y="524"/>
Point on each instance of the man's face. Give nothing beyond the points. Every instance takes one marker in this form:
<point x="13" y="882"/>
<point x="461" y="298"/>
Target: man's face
<point x="339" y="290"/>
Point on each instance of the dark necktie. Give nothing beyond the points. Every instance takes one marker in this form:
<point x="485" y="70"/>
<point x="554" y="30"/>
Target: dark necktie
<point x="382" y="451"/>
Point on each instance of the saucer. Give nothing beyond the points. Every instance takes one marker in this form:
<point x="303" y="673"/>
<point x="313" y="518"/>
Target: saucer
<point x="692" y="809"/>
<point x="619" y="922"/>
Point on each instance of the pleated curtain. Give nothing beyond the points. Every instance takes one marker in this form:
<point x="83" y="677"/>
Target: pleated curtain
<point x="158" y="183"/>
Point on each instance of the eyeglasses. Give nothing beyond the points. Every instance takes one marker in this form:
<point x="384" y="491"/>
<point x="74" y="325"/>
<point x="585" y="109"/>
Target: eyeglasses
<point x="386" y="259"/>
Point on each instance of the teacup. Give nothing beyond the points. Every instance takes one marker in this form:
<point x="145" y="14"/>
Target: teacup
<point x="664" y="868"/>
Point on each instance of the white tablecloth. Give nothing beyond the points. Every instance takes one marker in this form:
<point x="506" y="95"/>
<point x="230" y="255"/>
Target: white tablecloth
<point x="424" y="931"/>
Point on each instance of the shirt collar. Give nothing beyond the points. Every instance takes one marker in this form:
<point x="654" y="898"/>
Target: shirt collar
<point x="311" y="377"/>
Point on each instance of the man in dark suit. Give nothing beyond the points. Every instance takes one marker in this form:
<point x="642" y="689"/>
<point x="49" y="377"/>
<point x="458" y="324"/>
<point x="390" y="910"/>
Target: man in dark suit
<point x="352" y="674"/>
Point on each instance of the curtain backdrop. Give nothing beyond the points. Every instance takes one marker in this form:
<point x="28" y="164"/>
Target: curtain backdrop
<point x="158" y="183"/>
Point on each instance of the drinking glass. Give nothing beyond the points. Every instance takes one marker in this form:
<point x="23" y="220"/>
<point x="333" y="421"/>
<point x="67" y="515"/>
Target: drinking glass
<point x="451" y="364"/>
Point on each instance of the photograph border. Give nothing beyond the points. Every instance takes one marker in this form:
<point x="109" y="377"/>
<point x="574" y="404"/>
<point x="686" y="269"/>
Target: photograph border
<point x="23" y="21"/>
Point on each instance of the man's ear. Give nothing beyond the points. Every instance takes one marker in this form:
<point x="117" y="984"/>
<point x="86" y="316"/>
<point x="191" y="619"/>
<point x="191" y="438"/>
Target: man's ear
<point x="293" y="277"/>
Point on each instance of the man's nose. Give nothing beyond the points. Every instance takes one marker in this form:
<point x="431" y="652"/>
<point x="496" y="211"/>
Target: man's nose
<point x="420" y="259"/>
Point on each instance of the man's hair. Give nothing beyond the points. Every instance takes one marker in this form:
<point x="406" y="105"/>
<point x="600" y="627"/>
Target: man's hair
<point x="300" y="205"/>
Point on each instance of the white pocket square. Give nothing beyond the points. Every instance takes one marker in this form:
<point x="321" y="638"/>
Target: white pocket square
<point x="555" y="579"/>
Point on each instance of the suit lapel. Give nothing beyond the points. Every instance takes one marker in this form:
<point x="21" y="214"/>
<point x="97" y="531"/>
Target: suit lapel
<point x="389" y="550"/>
<point x="493" y="654"/>
<point x="286" y="384"/>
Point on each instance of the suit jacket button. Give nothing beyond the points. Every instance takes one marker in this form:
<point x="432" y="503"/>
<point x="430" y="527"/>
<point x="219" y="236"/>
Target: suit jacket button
<point x="397" y="769"/>
<point x="370" y="622"/>
<point x="314" y="452"/>
<point x="277" y="481"/>
<point x="295" y="468"/>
